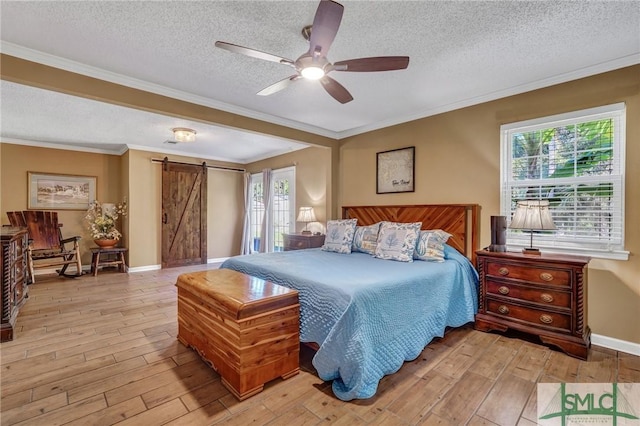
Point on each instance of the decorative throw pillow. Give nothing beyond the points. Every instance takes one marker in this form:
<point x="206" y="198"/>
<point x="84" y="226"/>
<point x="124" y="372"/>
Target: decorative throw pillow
<point x="339" y="235"/>
<point x="397" y="241"/>
<point x="430" y="245"/>
<point x="365" y="238"/>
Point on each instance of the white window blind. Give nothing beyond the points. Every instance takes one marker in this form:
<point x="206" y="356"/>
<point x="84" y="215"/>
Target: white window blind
<point x="576" y="161"/>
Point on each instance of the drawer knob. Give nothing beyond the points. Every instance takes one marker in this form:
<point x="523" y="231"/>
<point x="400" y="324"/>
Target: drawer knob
<point x="545" y="276"/>
<point x="503" y="309"/>
<point x="503" y="271"/>
<point x="546" y="297"/>
<point x="547" y="319"/>
<point x="503" y="290"/>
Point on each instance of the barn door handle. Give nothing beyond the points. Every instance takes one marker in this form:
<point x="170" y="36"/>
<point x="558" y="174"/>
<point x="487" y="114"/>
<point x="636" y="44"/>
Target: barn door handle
<point x="164" y="218"/>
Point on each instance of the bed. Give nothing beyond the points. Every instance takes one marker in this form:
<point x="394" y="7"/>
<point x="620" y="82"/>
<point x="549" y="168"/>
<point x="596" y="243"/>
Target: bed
<point x="367" y="316"/>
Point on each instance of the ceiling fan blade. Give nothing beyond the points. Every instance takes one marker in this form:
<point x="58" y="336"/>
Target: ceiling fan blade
<point x="336" y="90"/>
<point x="325" y="26"/>
<point x="253" y="53"/>
<point x="379" y="63"/>
<point x="280" y="85"/>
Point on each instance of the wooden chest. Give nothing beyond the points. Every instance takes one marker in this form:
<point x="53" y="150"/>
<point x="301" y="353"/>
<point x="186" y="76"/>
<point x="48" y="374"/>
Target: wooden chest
<point x="246" y="328"/>
<point x="544" y="295"/>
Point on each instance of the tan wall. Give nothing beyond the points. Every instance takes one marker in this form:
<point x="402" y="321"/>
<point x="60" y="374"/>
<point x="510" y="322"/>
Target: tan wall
<point x="224" y="208"/>
<point x="38" y="75"/>
<point x="458" y="160"/>
<point x="132" y="175"/>
<point x="17" y="160"/>
<point x="313" y="180"/>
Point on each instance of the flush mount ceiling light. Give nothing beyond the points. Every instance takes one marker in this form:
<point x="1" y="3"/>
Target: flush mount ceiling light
<point x="183" y="134"/>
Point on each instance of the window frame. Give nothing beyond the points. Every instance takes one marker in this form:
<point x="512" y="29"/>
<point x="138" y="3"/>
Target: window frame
<point x="617" y="112"/>
<point x="255" y="226"/>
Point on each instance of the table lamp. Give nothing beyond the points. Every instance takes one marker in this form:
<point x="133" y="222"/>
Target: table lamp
<point x="532" y="215"/>
<point x="306" y="215"/>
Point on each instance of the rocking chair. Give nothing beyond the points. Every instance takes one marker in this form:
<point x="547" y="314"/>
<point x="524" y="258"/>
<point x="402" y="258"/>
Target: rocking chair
<point x="47" y="248"/>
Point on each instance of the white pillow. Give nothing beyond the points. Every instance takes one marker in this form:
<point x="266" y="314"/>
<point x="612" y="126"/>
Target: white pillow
<point x="397" y="241"/>
<point x="339" y="237"/>
<point x="365" y="238"/>
<point x="430" y="245"/>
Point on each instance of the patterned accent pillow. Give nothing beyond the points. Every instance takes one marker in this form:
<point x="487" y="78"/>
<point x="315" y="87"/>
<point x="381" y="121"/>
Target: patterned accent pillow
<point x="430" y="245"/>
<point x="365" y="238"/>
<point x="339" y="237"/>
<point x="397" y="241"/>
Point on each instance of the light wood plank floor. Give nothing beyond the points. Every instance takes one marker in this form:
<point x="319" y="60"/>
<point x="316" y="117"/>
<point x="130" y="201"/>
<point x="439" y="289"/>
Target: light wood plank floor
<point x="103" y="350"/>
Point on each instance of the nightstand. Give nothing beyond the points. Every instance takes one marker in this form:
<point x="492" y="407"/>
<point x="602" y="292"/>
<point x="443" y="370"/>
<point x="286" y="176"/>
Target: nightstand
<point x="302" y="241"/>
<point x="544" y="295"/>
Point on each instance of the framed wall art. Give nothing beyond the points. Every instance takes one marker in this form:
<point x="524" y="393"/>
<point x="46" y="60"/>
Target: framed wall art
<point x="395" y="170"/>
<point x="48" y="191"/>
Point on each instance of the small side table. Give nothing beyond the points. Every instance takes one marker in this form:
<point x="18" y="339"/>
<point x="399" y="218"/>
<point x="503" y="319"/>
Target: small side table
<point x="302" y="241"/>
<point x="107" y="257"/>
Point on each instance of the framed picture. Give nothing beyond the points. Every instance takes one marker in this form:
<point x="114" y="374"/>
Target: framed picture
<point x="395" y="170"/>
<point x="49" y="191"/>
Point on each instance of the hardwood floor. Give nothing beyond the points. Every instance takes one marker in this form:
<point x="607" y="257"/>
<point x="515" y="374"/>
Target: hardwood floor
<point x="103" y="350"/>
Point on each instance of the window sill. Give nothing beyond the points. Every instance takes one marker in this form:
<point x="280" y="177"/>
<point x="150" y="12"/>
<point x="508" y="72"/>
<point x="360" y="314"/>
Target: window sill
<point x="596" y="254"/>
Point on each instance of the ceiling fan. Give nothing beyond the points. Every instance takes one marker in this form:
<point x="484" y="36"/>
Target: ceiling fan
<point x="314" y="64"/>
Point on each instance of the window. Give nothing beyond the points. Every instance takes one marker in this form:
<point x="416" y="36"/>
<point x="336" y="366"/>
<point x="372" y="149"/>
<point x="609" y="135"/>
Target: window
<point x="282" y="207"/>
<point x="576" y="161"/>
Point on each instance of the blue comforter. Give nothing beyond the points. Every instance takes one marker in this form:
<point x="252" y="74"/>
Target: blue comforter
<point x="368" y="315"/>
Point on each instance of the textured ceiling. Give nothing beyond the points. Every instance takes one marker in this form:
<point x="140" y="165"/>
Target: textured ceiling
<point x="462" y="53"/>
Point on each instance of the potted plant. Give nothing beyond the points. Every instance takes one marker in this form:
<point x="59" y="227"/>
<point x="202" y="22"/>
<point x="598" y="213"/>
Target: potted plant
<point x="101" y="219"/>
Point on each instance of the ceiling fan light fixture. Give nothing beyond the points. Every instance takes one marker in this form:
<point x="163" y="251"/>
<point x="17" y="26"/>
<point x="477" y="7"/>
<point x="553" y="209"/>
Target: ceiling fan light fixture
<point x="184" y="134"/>
<point x="312" y="73"/>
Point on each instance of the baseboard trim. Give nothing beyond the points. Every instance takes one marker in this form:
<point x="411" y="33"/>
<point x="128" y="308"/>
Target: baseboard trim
<point x="156" y="267"/>
<point x="144" y="268"/>
<point x="616" y="344"/>
<point x="217" y="260"/>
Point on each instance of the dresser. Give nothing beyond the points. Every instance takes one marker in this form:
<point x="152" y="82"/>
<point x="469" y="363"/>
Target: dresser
<point x="302" y="241"/>
<point x="14" y="277"/>
<point x="544" y="295"/>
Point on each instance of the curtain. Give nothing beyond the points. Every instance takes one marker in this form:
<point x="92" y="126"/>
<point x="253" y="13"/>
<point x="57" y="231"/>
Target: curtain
<point x="266" y="240"/>
<point x="246" y="228"/>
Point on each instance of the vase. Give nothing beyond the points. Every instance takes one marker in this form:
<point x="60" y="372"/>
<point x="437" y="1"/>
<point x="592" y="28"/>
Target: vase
<point x="105" y="243"/>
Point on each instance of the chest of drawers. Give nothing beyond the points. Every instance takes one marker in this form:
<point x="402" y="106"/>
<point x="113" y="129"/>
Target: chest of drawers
<point x="14" y="277"/>
<point x="302" y="241"/>
<point x="544" y="295"/>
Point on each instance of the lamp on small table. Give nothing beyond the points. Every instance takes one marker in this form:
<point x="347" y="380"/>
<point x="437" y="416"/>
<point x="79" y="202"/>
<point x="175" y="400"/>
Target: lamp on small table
<point x="306" y="215"/>
<point x="532" y="215"/>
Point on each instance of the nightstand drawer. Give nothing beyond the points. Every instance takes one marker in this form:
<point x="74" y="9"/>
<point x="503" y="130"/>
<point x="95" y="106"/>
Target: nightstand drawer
<point x="302" y="241"/>
<point x="537" y="317"/>
<point x="530" y="294"/>
<point x="298" y="244"/>
<point x="532" y="274"/>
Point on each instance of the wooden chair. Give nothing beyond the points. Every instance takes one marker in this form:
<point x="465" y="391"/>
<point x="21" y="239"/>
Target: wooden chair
<point x="47" y="248"/>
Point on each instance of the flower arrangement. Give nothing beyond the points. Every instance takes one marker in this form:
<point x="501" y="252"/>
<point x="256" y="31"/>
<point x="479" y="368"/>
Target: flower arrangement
<point x="101" y="219"/>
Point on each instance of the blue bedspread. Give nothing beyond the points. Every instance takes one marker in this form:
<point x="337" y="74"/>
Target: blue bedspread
<point x="368" y="315"/>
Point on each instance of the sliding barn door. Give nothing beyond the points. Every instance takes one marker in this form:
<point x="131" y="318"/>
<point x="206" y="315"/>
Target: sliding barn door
<point x="184" y="214"/>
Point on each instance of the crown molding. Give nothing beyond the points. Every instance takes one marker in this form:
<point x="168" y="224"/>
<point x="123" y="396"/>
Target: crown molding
<point x="112" y="77"/>
<point x="516" y="90"/>
<point x="181" y="153"/>
<point x="77" y="67"/>
<point x="43" y="144"/>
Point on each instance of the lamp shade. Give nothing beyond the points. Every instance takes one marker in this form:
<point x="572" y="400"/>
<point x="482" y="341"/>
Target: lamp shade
<point x="306" y="214"/>
<point x="532" y="215"/>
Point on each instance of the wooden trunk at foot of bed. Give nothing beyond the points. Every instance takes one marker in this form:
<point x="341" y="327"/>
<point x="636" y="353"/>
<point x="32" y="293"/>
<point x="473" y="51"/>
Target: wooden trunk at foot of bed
<point x="246" y="328"/>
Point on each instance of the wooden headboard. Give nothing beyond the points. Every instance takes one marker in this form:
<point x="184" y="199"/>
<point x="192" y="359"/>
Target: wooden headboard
<point x="462" y="221"/>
